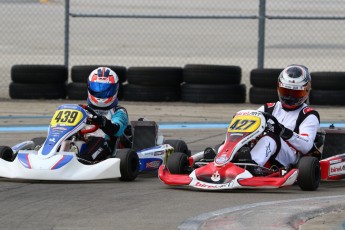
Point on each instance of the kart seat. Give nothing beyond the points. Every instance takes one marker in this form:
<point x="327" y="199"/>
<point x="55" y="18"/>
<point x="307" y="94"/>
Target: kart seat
<point x="319" y="141"/>
<point x="144" y="134"/>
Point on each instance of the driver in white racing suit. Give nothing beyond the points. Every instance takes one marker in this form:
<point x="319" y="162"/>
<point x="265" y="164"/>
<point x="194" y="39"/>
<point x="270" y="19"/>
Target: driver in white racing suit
<point x="112" y="119"/>
<point x="298" y="123"/>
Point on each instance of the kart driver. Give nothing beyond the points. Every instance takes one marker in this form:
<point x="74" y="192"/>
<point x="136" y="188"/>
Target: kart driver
<point x="297" y="123"/>
<point x="112" y="119"/>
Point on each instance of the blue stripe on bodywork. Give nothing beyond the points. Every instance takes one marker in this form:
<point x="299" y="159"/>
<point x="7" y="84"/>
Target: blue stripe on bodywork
<point x="23" y="159"/>
<point x="149" y="164"/>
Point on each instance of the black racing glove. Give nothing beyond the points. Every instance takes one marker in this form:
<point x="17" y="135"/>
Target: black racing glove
<point x="99" y="120"/>
<point x="280" y="130"/>
<point x="105" y="124"/>
<point x="277" y="128"/>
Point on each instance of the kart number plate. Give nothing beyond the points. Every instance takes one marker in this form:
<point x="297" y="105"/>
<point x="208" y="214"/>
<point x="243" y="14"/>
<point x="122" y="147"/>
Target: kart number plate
<point x="244" y="124"/>
<point x="66" y="117"/>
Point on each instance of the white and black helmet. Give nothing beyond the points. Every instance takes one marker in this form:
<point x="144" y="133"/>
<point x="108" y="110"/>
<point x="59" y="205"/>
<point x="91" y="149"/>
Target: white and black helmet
<point x="294" y="84"/>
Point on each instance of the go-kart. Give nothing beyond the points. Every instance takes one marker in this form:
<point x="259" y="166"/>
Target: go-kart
<point x="56" y="157"/>
<point x="153" y="149"/>
<point x="231" y="168"/>
<point x="332" y="161"/>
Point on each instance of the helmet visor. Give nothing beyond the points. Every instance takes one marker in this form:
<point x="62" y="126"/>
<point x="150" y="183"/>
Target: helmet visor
<point x="292" y="97"/>
<point x="102" y="90"/>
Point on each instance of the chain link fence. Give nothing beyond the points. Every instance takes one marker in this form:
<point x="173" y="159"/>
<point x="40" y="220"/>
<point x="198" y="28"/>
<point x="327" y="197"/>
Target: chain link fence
<point x="172" y="33"/>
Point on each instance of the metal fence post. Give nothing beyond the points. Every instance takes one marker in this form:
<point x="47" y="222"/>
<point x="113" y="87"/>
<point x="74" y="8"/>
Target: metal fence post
<point x="66" y="44"/>
<point x="261" y="29"/>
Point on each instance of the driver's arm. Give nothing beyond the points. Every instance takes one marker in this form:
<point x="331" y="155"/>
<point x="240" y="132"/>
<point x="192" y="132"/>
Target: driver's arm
<point x="115" y="126"/>
<point x="303" y="140"/>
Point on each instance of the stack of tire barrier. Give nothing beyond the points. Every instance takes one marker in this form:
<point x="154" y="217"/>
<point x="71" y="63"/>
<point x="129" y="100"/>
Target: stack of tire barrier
<point x="328" y="88"/>
<point x="153" y="84"/>
<point x="38" y="82"/>
<point x="77" y="89"/>
<point x="264" y="85"/>
<point x="212" y="84"/>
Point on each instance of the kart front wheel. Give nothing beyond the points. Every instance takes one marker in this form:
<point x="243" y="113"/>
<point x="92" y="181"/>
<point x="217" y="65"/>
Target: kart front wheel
<point x="179" y="146"/>
<point x="129" y="164"/>
<point x="6" y="153"/>
<point x="309" y="173"/>
<point x="177" y="163"/>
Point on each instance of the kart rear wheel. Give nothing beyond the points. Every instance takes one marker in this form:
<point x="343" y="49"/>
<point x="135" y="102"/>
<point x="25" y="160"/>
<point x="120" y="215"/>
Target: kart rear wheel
<point x="6" y="153"/>
<point x="177" y="163"/>
<point x="309" y="173"/>
<point x="179" y="146"/>
<point x="129" y="164"/>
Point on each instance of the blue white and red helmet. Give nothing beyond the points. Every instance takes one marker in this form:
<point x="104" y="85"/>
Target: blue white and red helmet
<point x="103" y="86"/>
<point x="294" y="84"/>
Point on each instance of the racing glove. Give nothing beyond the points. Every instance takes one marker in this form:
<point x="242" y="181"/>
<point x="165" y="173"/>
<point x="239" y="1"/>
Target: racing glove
<point x="280" y="130"/>
<point x="277" y="128"/>
<point x="106" y="125"/>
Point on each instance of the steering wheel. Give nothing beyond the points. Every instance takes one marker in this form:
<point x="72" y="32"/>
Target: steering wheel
<point x="94" y="126"/>
<point x="268" y="116"/>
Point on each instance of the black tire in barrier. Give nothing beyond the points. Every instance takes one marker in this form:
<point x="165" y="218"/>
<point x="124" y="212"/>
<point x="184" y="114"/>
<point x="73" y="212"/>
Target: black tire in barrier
<point x="212" y="74"/>
<point x="213" y="93"/>
<point x="40" y="74"/>
<point x="262" y="95"/>
<point x="327" y="97"/>
<point x="265" y="78"/>
<point x="155" y="76"/>
<point x="81" y="73"/>
<point x="151" y="93"/>
<point x="37" y="91"/>
<point x="77" y="91"/>
<point x="328" y="80"/>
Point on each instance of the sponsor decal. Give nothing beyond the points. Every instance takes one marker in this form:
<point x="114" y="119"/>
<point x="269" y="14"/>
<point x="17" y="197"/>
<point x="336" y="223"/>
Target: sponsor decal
<point x="337" y="169"/>
<point x="52" y="140"/>
<point x="211" y="186"/>
<point x="221" y="159"/>
<point x="268" y="149"/>
<point x="158" y="153"/>
<point x="307" y="110"/>
<point x="215" y="177"/>
<point x="153" y="164"/>
<point x="335" y="161"/>
<point x="269" y="105"/>
<point x="59" y="128"/>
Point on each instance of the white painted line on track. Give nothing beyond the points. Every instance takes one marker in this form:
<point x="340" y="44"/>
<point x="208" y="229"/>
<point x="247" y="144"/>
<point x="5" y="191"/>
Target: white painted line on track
<point x="195" y="223"/>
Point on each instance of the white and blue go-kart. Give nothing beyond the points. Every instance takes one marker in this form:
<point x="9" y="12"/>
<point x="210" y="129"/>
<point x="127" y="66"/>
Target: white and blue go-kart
<point x="55" y="157"/>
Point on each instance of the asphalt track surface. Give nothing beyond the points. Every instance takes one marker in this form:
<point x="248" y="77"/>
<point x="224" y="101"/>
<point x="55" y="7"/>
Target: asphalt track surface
<point x="147" y="203"/>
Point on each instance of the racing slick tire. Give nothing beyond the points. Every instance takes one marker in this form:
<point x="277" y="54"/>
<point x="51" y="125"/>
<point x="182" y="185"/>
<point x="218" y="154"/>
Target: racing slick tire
<point x="129" y="164"/>
<point x="178" y="163"/>
<point x="309" y="174"/>
<point x="179" y="146"/>
<point x="6" y="153"/>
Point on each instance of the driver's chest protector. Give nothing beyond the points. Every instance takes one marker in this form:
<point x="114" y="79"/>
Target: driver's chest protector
<point x="291" y="119"/>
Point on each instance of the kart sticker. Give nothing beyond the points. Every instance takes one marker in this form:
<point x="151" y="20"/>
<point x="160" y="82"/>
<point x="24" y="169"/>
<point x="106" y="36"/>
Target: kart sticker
<point x="337" y="169"/>
<point x="66" y="117"/>
<point x="244" y="124"/>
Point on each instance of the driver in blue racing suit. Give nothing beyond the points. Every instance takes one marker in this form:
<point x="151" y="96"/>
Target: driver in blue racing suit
<point x="297" y="123"/>
<point x="112" y="119"/>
